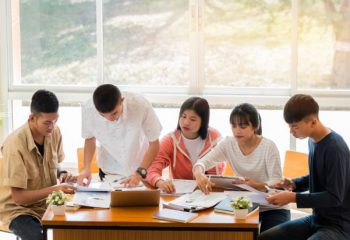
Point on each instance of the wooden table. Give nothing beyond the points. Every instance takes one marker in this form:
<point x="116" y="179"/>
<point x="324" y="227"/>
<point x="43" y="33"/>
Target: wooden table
<point x="129" y="223"/>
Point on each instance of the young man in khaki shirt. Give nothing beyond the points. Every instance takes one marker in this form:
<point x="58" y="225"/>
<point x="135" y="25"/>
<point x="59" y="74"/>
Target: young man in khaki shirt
<point x="31" y="155"/>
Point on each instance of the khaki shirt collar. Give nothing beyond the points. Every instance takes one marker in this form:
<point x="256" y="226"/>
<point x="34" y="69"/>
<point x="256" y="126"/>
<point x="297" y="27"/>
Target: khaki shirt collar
<point x="30" y="140"/>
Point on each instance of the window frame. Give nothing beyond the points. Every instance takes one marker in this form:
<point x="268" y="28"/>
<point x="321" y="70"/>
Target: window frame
<point x="268" y="98"/>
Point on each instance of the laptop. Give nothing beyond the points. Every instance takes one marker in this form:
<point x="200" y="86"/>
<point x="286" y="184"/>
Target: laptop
<point x="131" y="198"/>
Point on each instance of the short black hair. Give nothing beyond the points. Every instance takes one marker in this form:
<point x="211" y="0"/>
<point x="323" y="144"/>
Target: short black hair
<point x="298" y="107"/>
<point x="201" y="107"/>
<point x="44" y="101"/>
<point x="106" y="97"/>
<point x="247" y="113"/>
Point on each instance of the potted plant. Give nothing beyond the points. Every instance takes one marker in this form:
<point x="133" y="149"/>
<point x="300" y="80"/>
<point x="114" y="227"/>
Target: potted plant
<point x="241" y="206"/>
<point x="57" y="200"/>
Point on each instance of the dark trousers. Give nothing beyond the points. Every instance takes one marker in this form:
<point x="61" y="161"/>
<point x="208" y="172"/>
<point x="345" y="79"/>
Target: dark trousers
<point x="305" y="228"/>
<point x="27" y="227"/>
<point x="271" y="218"/>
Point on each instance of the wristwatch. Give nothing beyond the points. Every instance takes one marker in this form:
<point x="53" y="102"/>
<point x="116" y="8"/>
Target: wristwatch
<point x="142" y="171"/>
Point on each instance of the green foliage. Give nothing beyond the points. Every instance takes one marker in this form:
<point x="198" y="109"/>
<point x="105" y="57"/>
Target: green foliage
<point x="57" y="198"/>
<point x="241" y="203"/>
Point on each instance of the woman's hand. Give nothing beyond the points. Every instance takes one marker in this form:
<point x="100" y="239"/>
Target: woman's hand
<point x="166" y="186"/>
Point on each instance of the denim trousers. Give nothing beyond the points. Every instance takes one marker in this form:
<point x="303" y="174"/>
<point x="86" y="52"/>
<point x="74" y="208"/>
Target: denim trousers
<point x="27" y="227"/>
<point x="304" y="228"/>
<point x="271" y="218"/>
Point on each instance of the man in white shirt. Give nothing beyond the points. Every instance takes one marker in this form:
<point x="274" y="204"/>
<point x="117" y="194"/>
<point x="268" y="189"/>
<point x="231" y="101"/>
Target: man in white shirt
<point x="127" y="129"/>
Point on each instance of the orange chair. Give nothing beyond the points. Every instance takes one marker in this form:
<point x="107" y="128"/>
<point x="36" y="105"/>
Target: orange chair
<point x="80" y="154"/>
<point x="295" y="164"/>
<point x="228" y="170"/>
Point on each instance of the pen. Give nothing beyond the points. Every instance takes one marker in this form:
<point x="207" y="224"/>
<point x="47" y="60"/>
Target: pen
<point x="206" y="186"/>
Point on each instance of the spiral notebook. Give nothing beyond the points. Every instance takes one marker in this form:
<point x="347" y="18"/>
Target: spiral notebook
<point x="175" y="215"/>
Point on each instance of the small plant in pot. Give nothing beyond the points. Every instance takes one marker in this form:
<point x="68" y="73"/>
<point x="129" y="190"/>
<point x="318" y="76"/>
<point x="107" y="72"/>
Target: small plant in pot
<point x="241" y="205"/>
<point x="57" y="200"/>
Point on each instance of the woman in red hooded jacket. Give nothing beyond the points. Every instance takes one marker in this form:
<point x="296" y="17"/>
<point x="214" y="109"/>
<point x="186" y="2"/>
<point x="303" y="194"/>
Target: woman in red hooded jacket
<point x="181" y="149"/>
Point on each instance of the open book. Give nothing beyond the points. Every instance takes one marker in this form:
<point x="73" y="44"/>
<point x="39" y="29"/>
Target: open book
<point x="195" y="201"/>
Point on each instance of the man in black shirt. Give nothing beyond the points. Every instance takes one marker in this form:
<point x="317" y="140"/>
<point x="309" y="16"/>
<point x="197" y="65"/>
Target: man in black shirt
<point x="328" y="181"/>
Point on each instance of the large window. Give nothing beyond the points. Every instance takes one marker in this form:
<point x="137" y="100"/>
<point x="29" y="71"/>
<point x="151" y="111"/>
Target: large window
<point x="197" y="45"/>
<point x="228" y="51"/>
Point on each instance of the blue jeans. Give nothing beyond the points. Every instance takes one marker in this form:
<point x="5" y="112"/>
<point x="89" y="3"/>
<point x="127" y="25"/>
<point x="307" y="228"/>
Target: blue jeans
<point x="271" y="218"/>
<point x="304" y="228"/>
<point x="27" y="227"/>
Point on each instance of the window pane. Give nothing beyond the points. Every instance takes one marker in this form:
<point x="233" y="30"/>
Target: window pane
<point x="247" y="43"/>
<point x="335" y="120"/>
<point x="57" y="41"/>
<point x="69" y="123"/>
<point x="324" y="47"/>
<point x="146" y="42"/>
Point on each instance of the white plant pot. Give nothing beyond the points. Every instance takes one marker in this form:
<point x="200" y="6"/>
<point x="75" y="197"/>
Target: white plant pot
<point x="241" y="213"/>
<point x="58" y="210"/>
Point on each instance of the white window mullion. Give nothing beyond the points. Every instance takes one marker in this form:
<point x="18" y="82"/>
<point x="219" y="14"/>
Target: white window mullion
<point x="294" y="59"/>
<point x="193" y="28"/>
<point x="99" y="39"/>
<point x="200" y="45"/>
<point x="294" y="47"/>
<point x="6" y="62"/>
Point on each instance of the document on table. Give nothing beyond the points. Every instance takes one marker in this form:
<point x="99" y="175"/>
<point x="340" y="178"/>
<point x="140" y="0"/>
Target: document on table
<point x="196" y="201"/>
<point x="182" y="186"/>
<point x="256" y="197"/>
<point x="95" y="187"/>
<point x="93" y="199"/>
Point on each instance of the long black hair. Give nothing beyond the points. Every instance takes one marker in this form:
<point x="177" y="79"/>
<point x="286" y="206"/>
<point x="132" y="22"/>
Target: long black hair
<point x="201" y="107"/>
<point x="246" y="113"/>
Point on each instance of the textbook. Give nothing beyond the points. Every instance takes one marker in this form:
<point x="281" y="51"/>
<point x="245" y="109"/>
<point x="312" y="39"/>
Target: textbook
<point x="175" y="215"/>
<point x="225" y="207"/>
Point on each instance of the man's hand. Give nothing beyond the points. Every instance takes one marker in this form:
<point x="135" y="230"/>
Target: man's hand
<point x="66" y="188"/>
<point x="67" y="178"/>
<point x="286" y="184"/>
<point x="281" y="198"/>
<point x="85" y="174"/>
<point x="166" y="186"/>
<point x="132" y="181"/>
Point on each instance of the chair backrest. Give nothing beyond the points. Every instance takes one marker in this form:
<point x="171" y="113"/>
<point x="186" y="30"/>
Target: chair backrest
<point x="228" y="170"/>
<point x="94" y="166"/>
<point x="295" y="164"/>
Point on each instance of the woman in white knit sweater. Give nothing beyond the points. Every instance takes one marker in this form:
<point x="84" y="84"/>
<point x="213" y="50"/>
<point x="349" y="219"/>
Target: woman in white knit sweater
<point x="251" y="156"/>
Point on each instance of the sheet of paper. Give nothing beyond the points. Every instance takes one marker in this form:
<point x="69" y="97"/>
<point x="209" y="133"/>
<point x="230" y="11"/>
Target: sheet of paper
<point x="115" y="184"/>
<point x="182" y="186"/>
<point x="93" y="199"/>
<point x="95" y="187"/>
<point x="256" y="197"/>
